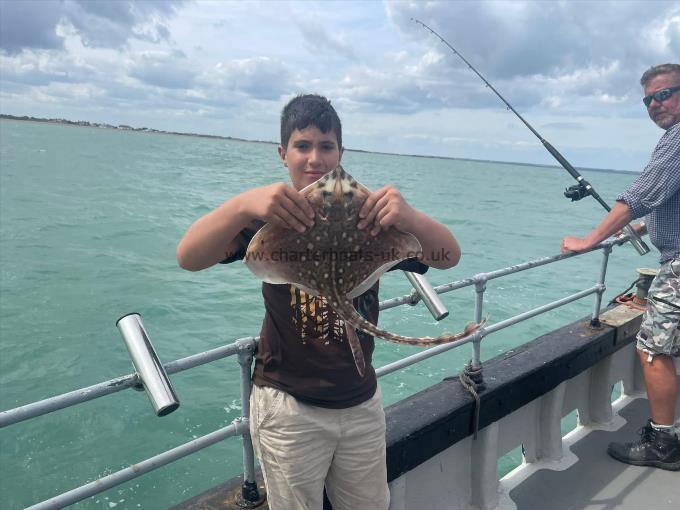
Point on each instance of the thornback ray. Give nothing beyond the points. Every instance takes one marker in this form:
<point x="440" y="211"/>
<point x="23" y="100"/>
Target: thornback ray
<point x="336" y="260"/>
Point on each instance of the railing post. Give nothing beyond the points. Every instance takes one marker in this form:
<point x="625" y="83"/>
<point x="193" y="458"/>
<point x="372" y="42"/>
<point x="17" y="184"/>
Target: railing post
<point x="595" y="320"/>
<point x="249" y="491"/>
<point x="480" y="286"/>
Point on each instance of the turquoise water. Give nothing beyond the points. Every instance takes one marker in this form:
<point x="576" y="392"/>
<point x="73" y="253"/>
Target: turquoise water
<point x="89" y="222"/>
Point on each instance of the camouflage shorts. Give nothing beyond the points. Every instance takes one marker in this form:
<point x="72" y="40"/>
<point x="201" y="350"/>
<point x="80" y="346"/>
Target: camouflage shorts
<point x="660" y="329"/>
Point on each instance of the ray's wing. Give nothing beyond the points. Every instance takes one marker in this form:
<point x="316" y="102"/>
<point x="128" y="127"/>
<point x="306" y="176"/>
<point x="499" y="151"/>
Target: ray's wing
<point x="277" y="255"/>
<point x="380" y="253"/>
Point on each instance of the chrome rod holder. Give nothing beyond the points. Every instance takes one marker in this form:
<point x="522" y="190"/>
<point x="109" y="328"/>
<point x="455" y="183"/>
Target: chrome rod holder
<point x="426" y="292"/>
<point x="149" y="368"/>
<point x="635" y="240"/>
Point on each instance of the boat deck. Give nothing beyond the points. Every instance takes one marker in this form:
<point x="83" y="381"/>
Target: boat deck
<point x="587" y="478"/>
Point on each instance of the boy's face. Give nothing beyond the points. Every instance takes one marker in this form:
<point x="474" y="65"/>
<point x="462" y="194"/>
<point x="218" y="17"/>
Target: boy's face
<point x="310" y="154"/>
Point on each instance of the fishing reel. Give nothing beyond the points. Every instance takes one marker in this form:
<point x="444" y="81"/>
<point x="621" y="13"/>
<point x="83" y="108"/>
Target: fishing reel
<point x="577" y="192"/>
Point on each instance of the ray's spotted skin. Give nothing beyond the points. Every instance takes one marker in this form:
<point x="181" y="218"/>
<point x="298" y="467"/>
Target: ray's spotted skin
<point x="336" y="260"/>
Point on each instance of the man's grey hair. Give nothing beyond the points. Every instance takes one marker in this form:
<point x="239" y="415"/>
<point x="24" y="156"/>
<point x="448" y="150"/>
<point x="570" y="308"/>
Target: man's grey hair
<point x="655" y="71"/>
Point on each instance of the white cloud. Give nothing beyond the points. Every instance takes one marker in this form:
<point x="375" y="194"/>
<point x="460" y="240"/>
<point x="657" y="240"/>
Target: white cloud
<point x="163" y="69"/>
<point x="35" y="24"/>
<point x="229" y="67"/>
<point x="259" y="77"/>
<point x="320" y="39"/>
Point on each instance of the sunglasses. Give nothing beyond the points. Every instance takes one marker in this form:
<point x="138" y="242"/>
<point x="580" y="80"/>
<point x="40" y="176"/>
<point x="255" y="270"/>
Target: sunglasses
<point x="660" y="95"/>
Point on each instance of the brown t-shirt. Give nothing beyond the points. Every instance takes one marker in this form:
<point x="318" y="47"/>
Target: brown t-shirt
<point x="303" y="347"/>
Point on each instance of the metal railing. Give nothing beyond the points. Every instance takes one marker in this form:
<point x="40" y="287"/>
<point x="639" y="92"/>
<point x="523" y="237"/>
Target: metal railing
<point x="244" y="349"/>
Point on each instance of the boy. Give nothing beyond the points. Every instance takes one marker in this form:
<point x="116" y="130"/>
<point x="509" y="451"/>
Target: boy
<point x="314" y="421"/>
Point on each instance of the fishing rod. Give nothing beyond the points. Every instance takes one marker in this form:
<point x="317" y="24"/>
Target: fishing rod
<point x="576" y="192"/>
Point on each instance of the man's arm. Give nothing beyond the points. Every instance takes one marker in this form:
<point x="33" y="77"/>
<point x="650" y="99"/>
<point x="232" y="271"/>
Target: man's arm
<point x="617" y="218"/>
<point x="213" y="237"/>
<point x="386" y="207"/>
<point x="658" y="182"/>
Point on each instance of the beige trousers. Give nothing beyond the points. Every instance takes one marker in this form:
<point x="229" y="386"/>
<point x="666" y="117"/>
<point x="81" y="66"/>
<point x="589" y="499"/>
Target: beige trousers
<point x="301" y="448"/>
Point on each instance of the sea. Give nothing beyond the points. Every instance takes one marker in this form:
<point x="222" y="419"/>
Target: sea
<point x="89" y="222"/>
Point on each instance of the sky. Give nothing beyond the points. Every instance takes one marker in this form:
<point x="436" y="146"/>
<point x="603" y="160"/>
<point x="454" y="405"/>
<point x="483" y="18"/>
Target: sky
<point x="571" y="69"/>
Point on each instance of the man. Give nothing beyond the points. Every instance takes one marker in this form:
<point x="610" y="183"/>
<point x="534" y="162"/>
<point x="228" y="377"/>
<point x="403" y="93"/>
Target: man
<point x="655" y="195"/>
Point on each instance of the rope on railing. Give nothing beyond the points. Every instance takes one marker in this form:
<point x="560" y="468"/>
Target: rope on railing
<point x="472" y="380"/>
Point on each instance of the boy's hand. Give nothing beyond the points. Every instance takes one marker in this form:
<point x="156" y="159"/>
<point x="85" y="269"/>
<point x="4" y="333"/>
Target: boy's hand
<point x="282" y="205"/>
<point x="385" y="208"/>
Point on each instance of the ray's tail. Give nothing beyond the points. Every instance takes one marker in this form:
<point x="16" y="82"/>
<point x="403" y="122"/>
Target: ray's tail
<point x="352" y="317"/>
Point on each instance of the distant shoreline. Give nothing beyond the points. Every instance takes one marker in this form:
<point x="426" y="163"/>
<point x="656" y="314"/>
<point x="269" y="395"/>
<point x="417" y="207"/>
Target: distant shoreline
<point x="121" y="127"/>
<point x="125" y="127"/>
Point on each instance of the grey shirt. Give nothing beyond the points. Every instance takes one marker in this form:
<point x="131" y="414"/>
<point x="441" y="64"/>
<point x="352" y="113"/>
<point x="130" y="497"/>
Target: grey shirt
<point x="656" y="195"/>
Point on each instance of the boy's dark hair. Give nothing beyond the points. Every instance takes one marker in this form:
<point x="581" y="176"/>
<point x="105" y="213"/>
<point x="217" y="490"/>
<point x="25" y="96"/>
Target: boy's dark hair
<point x="309" y="110"/>
<point x="655" y="71"/>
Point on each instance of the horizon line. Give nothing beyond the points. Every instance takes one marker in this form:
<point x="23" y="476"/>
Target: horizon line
<point x="125" y="127"/>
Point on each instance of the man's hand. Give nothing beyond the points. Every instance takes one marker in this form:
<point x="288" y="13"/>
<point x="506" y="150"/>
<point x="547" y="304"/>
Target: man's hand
<point x="617" y="218"/>
<point x="574" y="244"/>
<point x="280" y="204"/>
<point x="386" y="208"/>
